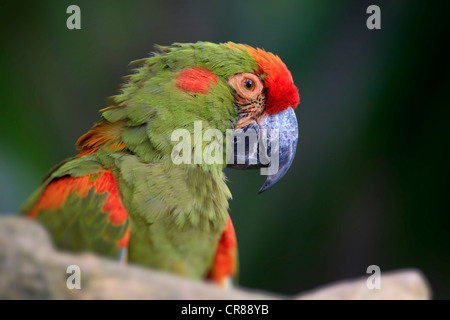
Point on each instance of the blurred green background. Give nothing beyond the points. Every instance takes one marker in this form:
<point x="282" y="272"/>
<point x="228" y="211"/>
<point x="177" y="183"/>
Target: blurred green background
<point x="370" y="181"/>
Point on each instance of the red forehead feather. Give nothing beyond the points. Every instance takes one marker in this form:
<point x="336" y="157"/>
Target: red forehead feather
<point x="281" y="91"/>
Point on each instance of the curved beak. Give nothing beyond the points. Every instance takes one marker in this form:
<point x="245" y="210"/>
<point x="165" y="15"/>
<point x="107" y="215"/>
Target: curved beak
<point x="269" y="146"/>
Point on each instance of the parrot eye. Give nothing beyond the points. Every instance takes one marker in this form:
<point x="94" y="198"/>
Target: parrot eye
<point x="247" y="85"/>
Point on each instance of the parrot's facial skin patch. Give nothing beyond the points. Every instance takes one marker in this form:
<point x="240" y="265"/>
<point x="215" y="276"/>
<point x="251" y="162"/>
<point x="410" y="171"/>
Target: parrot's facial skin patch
<point x="250" y="97"/>
<point x="196" y="80"/>
<point x="247" y="85"/>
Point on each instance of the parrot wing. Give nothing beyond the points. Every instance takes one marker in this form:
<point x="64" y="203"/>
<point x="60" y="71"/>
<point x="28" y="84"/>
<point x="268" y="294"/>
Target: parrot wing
<point x="80" y="204"/>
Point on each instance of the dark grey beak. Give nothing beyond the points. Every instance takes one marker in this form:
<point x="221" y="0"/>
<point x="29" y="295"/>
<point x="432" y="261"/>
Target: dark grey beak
<point x="269" y="147"/>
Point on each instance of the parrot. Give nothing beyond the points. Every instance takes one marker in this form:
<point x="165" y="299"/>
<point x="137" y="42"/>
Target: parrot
<point x="123" y="196"/>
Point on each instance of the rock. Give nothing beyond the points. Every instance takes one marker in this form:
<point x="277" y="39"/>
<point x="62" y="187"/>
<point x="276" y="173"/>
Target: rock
<point x="409" y="284"/>
<point x="31" y="268"/>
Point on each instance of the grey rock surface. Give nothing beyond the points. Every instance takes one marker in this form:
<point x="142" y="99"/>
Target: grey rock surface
<point x="31" y="268"/>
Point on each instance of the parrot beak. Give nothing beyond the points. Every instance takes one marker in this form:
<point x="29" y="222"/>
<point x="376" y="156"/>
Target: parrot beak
<point x="268" y="145"/>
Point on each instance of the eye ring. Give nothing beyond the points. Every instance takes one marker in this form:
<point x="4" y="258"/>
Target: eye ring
<point x="247" y="85"/>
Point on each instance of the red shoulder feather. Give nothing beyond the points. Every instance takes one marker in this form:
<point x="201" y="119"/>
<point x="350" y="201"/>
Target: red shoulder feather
<point x="57" y="191"/>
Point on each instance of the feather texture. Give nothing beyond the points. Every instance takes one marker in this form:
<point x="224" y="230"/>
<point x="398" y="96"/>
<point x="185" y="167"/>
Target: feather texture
<point x="122" y="192"/>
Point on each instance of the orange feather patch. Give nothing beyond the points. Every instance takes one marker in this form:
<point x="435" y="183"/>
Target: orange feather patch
<point x="56" y="193"/>
<point x="224" y="265"/>
<point x="102" y="133"/>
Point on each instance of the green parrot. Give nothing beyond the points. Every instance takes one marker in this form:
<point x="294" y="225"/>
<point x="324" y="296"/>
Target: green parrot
<point x="127" y="194"/>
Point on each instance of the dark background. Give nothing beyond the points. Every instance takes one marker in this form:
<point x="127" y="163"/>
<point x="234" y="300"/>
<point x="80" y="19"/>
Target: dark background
<point x="370" y="181"/>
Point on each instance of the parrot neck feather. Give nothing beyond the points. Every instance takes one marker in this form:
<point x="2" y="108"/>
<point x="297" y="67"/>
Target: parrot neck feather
<point x="103" y="133"/>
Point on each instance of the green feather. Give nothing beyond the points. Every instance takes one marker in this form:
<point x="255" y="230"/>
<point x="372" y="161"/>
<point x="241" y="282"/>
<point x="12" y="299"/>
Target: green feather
<point x="177" y="213"/>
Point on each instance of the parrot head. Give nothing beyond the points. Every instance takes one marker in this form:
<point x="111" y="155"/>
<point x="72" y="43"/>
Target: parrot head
<point x="228" y="87"/>
<point x="265" y="99"/>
